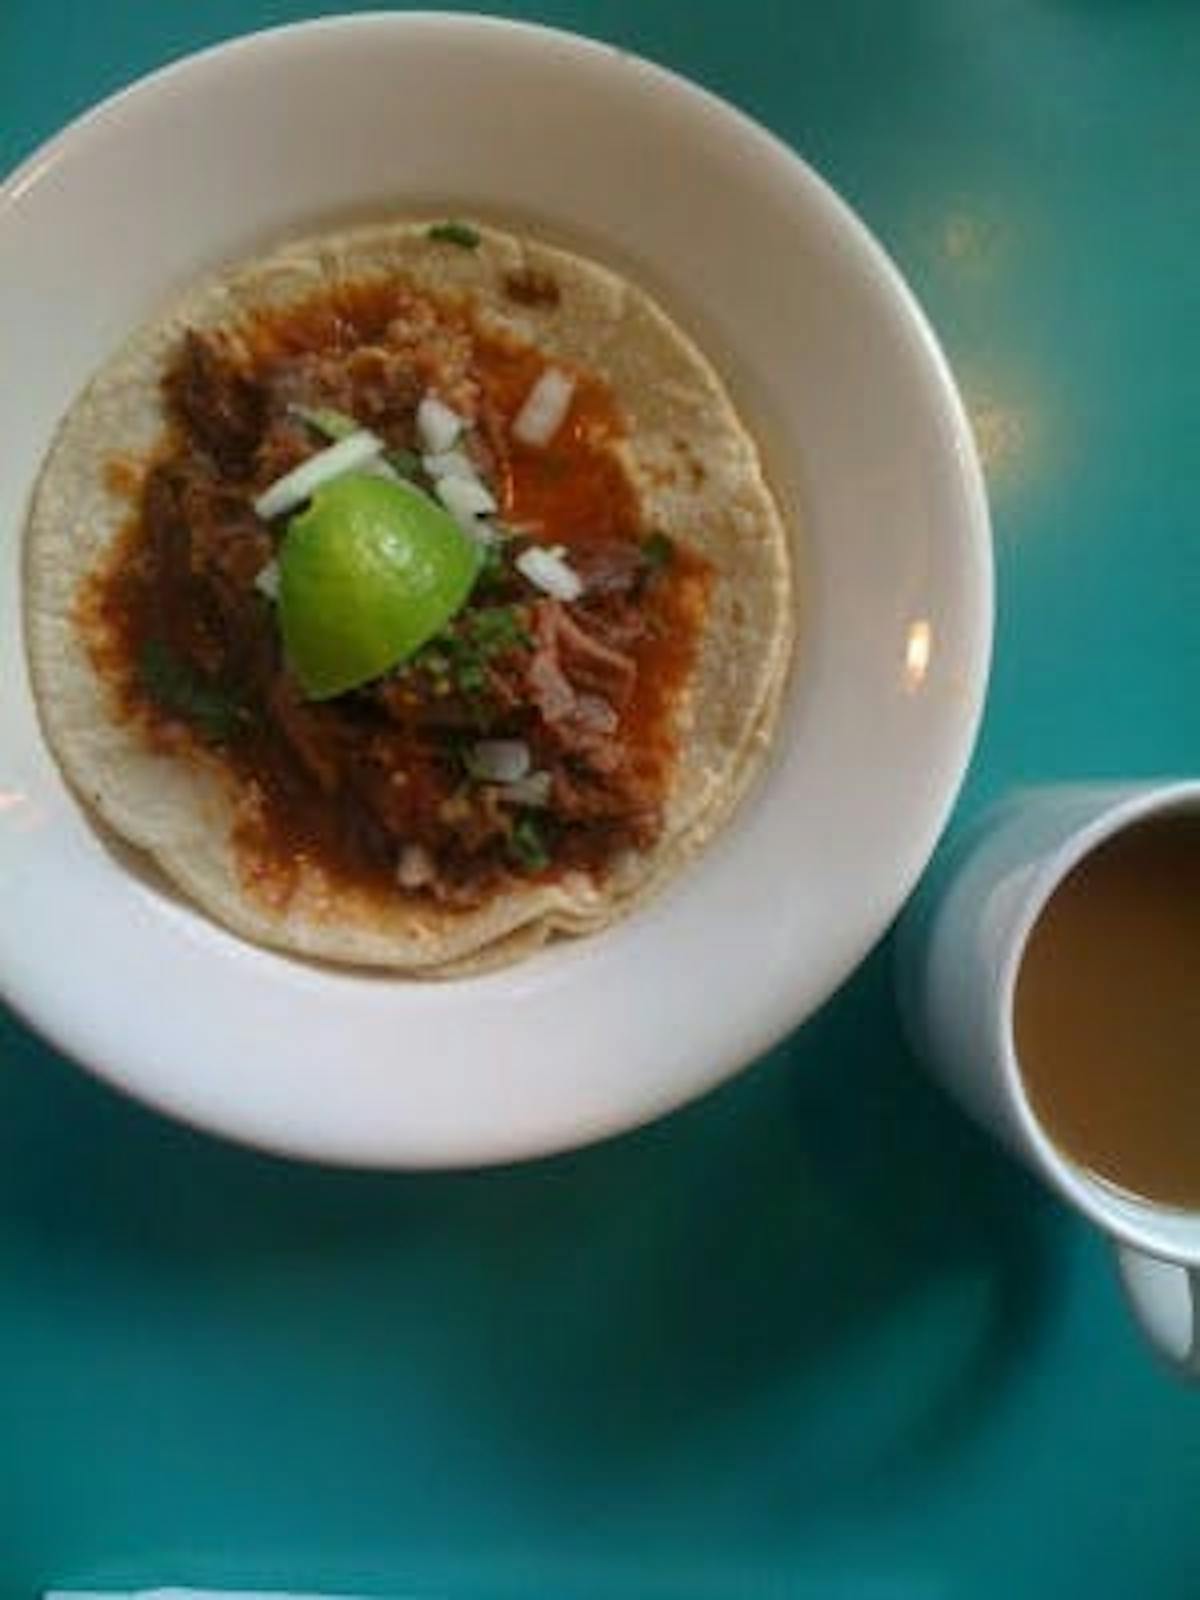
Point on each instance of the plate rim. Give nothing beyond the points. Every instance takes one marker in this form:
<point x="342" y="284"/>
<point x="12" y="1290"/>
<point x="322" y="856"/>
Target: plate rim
<point x="978" y="647"/>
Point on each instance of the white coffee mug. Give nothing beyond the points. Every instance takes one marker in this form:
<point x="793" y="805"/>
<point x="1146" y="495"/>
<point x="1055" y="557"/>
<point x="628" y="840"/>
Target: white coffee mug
<point x="959" y="950"/>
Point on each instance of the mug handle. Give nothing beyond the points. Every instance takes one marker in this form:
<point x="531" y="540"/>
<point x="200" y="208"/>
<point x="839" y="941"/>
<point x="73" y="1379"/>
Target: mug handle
<point x="1165" y="1300"/>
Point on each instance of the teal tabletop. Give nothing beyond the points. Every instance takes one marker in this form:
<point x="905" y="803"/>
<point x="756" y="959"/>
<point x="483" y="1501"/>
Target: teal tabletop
<point x="812" y="1336"/>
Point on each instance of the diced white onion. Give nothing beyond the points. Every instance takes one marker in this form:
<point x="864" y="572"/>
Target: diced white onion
<point x="545" y="408"/>
<point x="267" y="580"/>
<point x="531" y="791"/>
<point x="465" y="500"/>
<point x="348" y="455"/>
<point x="438" y="428"/>
<point x="450" y="464"/>
<point x="415" y="867"/>
<point x="547" y="571"/>
<point x="500" y="760"/>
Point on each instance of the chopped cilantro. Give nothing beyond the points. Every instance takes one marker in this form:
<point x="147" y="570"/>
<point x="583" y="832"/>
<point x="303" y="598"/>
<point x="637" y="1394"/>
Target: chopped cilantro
<point x="459" y="233"/>
<point x="492" y="565"/>
<point x="461" y="653"/>
<point x="657" y="551"/>
<point x="173" y="685"/>
<point x="470" y="676"/>
<point x="527" y="847"/>
<point x="495" y="629"/>
<point x="406" y="462"/>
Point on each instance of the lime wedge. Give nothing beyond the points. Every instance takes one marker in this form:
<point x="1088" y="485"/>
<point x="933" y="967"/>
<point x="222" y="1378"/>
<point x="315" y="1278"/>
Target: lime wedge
<point x="368" y="572"/>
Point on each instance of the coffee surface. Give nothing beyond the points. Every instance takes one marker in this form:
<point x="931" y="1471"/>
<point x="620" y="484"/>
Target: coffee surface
<point x="1107" y="1012"/>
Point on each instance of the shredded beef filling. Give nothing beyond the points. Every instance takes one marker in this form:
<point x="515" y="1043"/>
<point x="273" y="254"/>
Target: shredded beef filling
<point x="379" y="783"/>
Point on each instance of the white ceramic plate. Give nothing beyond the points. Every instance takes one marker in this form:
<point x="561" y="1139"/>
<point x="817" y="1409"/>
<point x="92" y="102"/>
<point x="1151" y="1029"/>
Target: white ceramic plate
<point x="865" y="439"/>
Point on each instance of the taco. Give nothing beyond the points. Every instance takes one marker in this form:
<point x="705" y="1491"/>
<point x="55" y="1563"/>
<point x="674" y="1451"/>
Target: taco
<point x="410" y="595"/>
